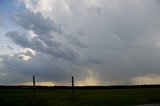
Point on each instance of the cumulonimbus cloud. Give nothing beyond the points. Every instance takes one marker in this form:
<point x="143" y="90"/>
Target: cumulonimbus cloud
<point x="112" y="29"/>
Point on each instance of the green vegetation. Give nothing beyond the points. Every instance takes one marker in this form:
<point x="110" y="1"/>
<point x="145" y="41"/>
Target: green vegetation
<point x="84" y="97"/>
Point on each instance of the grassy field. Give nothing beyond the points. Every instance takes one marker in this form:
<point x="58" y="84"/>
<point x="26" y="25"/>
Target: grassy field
<point x="84" y="97"/>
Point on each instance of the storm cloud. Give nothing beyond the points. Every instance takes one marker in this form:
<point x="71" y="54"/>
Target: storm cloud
<point x="103" y="41"/>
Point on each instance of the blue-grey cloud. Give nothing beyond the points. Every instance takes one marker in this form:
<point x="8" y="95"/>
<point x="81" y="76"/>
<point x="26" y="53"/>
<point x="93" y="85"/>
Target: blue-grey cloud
<point x="106" y="33"/>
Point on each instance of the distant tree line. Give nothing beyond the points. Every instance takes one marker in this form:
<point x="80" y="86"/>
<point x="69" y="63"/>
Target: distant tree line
<point x="81" y="87"/>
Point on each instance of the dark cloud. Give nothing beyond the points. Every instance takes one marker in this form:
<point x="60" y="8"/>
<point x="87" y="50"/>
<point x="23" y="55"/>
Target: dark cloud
<point x="112" y="39"/>
<point x="41" y="26"/>
<point x="44" y="67"/>
<point x="39" y="45"/>
<point x="37" y="22"/>
<point x="43" y="41"/>
<point x="9" y="47"/>
<point x="40" y="33"/>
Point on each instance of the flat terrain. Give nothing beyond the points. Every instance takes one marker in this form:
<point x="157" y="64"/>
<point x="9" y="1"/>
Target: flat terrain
<point x="83" y="97"/>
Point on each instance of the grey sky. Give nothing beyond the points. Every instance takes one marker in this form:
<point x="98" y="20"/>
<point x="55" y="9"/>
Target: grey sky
<point x="100" y="42"/>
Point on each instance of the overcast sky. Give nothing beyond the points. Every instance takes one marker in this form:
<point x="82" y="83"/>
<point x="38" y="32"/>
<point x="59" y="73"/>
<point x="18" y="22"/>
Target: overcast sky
<point x="99" y="42"/>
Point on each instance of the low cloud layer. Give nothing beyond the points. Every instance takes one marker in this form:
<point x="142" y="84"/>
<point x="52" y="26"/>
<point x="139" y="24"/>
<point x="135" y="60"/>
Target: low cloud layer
<point x="100" y="42"/>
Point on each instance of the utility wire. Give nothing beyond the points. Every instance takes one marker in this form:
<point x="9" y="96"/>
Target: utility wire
<point x="87" y="45"/>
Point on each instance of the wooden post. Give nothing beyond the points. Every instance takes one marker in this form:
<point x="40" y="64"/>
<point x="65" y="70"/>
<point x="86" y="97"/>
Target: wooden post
<point x="73" y="96"/>
<point x="34" y="88"/>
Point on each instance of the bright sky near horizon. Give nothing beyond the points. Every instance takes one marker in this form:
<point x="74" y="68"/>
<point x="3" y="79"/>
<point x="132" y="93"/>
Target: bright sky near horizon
<point x="99" y="42"/>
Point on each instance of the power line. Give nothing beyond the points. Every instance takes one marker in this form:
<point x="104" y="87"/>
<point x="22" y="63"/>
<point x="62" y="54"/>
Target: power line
<point x="86" y="45"/>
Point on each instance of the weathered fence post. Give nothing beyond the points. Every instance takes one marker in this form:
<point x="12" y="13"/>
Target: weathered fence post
<point x="34" y="88"/>
<point x="73" y="96"/>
